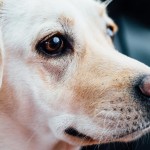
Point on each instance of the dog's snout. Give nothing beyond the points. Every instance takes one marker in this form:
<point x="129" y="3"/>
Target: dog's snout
<point x="144" y="86"/>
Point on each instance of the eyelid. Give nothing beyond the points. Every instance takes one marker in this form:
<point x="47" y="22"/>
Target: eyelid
<point x="58" y="33"/>
<point x="46" y="37"/>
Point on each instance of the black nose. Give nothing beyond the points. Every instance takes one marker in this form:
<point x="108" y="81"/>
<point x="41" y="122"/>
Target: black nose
<point x="144" y="86"/>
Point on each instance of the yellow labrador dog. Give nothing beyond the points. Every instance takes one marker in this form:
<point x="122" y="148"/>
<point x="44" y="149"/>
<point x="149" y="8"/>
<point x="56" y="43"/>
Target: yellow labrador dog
<point x="63" y="83"/>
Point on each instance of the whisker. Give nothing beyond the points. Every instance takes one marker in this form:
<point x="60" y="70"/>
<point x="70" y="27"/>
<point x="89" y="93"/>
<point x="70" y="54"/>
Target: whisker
<point x="30" y="140"/>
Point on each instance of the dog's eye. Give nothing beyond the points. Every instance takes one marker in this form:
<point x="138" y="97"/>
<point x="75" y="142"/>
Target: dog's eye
<point x="110" y="31"/>
<point x="55" y="45"/>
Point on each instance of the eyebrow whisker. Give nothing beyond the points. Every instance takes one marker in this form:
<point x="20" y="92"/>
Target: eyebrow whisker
<point x="107" y="3"/>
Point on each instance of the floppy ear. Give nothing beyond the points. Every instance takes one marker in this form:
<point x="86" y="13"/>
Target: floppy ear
<point x="1" y="51"/>
<point x="1" y="59"/>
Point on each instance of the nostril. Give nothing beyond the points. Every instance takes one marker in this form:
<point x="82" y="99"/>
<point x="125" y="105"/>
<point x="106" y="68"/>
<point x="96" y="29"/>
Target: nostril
<point x="144" y="86"/>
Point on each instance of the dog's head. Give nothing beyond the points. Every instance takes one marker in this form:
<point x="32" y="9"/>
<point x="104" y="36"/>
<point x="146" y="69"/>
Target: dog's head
<point x="63" y="75"/>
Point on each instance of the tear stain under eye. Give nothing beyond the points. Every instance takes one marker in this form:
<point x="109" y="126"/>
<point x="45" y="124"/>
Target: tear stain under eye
<point x="57" y="71"/>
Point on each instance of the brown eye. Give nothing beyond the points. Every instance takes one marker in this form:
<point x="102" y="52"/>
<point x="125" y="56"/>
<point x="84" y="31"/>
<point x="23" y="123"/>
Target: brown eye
<point x="53" y="46"/>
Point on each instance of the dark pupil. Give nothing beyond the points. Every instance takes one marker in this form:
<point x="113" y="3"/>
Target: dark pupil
<point x="54" y="43"/>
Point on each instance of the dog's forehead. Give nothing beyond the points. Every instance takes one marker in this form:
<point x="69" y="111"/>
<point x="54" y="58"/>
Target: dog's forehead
<point x="46" y="8"/>
<point x="34" y="19"/>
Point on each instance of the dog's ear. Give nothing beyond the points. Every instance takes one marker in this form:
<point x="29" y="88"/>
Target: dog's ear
<point x="1" y="59"/>
<point x="1" y="3"/>
<point x="1" y="51"/>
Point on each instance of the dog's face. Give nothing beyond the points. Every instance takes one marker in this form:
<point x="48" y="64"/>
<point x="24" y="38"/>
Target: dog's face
<point x="63" y="74"/>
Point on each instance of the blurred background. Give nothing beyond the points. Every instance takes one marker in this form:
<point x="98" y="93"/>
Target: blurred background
<point x="133" y="39"/>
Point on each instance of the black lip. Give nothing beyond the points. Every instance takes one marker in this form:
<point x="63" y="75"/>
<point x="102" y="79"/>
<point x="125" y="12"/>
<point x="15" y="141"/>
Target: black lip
<point x="73" y="132"/>
<point x="138" y="130"/>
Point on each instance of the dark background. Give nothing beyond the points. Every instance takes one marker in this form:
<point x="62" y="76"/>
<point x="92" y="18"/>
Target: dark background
<point x="133" y="39"/>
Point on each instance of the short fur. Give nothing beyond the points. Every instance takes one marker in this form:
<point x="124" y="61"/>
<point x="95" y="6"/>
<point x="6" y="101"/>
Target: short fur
<point x="89" y="89"/>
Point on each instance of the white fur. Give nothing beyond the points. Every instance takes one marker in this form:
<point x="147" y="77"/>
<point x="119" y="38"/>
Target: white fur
<point x="38" y="94"/>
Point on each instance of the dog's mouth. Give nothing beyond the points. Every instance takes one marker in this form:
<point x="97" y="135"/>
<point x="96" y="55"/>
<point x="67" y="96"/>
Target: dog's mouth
<point x="74" y="133"/>
<point x="121" y="138"/>
<point x="134" y="135"/>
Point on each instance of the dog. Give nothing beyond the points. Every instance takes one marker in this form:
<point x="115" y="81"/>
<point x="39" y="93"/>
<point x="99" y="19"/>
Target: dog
<point x="64" y="85"/>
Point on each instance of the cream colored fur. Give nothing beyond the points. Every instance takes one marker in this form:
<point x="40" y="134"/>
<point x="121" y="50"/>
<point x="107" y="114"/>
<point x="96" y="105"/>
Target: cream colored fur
<point x="86" y="89"/>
